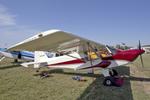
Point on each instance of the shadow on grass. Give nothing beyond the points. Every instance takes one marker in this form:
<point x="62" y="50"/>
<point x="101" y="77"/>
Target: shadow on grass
<point x="60" y="71"/>
<point x="138" y="79"/>
<point x="9" y="66"/>
<point x="123" y="71"/>
<point x="96" y="90"/>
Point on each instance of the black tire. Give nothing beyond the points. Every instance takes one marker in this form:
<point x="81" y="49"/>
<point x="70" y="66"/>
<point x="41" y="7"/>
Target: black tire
<point x="109" y="81"/>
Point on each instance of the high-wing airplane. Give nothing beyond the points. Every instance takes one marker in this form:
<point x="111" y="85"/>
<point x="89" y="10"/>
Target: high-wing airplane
<point x="74" y="52"/>
<point x="21" y="55"/>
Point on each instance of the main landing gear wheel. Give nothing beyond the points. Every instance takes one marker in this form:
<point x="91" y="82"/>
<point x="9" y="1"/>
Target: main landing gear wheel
<point x="109" y="81"/>
<point x="113" y="73"/>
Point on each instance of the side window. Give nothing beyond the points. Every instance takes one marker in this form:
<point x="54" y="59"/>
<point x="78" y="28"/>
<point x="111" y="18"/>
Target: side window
<point x="57" y="54"/>
<point x="49" y="55"/>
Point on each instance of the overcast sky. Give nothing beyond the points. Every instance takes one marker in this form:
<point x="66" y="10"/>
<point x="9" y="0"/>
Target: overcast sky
<point x="106" y="21"/>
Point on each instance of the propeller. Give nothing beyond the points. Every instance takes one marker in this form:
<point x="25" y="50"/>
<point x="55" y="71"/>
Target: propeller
<point x="139" y="46"/>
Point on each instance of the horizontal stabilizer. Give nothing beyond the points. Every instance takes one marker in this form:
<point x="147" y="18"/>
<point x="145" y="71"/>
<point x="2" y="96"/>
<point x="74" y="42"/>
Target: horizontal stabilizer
<point x="35" y="64"/>
<point x="40" y="56"/>
<point x="27" y="64"/>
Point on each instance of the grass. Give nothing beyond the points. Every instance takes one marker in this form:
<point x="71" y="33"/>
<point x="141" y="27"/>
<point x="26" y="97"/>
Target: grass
<point x="146" y="61"/>
<point x="18" y="83"/>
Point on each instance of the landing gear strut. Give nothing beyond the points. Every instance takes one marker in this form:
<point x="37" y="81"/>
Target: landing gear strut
<point x="113" y="73"/>
<point x="113" y="79"/>
<point x="16" y="61"/>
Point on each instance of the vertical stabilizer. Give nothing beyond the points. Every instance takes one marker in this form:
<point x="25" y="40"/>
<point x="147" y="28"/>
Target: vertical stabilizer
<point x="40" y="56"/>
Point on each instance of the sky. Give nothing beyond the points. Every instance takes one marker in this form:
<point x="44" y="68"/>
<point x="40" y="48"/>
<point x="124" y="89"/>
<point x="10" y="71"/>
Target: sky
<point x="108" y="22"/>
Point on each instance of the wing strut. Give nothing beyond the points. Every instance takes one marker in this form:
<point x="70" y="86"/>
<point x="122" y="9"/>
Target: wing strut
<point x="88" y="44"/>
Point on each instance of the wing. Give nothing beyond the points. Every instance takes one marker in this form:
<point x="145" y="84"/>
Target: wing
<point x="52" y="39"/>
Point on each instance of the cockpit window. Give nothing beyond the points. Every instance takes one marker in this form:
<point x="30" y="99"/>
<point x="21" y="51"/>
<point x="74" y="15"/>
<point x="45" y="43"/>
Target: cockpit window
<point x="59" y="54"/>
<point x="111" y="50"/>
<point x="49" y="55"/>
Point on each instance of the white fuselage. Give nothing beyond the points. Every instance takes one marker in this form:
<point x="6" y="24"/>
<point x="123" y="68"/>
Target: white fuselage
<point x="115" y="63"/>
<point x="70" y="61"/>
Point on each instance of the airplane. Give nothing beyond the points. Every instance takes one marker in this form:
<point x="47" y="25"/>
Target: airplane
<point x="74" y="52"/>
<point x="21" y="55"/>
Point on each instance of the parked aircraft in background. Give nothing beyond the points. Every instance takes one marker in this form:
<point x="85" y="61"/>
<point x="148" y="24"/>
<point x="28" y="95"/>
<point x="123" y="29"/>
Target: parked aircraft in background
<point x="146" y="48"/>
<point x="16" y="55"/>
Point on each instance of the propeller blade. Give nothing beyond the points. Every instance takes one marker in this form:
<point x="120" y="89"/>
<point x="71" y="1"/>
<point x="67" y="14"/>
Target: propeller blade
<point x="142" y="61"/>
<point x="139" y="45"/>
<point x="141" y="54"/>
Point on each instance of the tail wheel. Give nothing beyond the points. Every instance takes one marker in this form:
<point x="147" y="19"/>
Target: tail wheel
<point x="15" y="60"/>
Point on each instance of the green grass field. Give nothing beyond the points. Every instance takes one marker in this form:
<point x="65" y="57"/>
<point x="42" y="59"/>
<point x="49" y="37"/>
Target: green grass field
<point x="18" y="83"/>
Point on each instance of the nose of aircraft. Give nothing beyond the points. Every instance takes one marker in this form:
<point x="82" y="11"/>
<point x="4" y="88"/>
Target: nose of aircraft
<point x="141" y="51"/>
